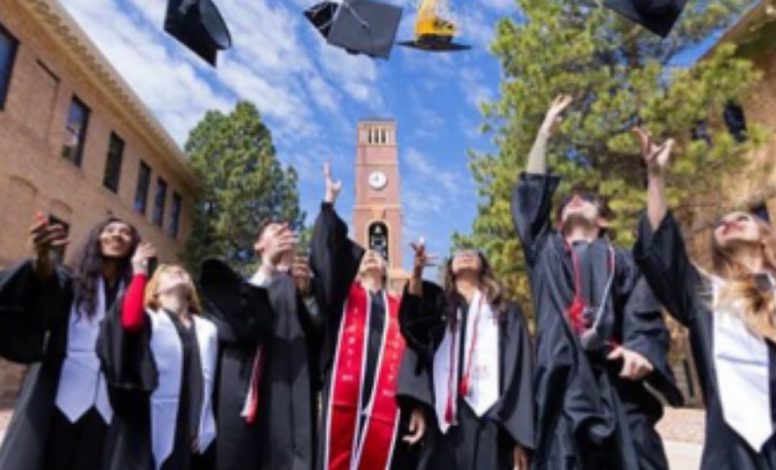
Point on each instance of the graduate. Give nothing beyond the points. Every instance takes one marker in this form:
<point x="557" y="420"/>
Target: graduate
<point x="268" y="375"/>
<point x="600" y="333"/>
<point x="730" y="313"/>
<point x="160" y="356"/>
<point x="477" y="348"/>
<point x="50" y="318"/>
<point x="365" y="424"/>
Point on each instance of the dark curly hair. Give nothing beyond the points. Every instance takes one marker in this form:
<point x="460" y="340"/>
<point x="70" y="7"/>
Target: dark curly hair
<point x="88" y="266"/>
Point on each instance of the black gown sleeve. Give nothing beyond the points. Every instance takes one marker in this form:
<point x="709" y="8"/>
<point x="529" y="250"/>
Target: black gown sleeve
<point x="645" y="332"/>
<point x="28" y="309"/>
<point x="334" y="260"/>
<point x="516" y="409"/>
<point x="240" y="310"/>
<point x="422" y="320"/>
<point x="532" y="211"/>
<point x="663" y="260"/>
<point x="126" y="357"/>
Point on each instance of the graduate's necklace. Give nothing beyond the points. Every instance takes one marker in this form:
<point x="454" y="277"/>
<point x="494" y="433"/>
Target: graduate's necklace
<point x="575" y="311"/>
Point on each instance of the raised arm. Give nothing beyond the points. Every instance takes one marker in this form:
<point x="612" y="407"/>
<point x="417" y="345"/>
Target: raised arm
<point x="532" y="198"/>
<point x="422" y="308"/>
<point x="537" y="159"/>
<point x="334" y="258"/>
<point x="33" y="294"/>
<point x="660" y="251"/>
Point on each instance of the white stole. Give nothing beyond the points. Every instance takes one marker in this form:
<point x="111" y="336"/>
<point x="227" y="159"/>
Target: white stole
<point x="81" y="381"/>
<point x="743" y="374"/>
<point x="483" y="384"/>
<point x="167" y="351"/>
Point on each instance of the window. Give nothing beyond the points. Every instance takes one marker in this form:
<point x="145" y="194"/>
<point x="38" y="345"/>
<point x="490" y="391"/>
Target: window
<point x="175" y="214"/>
<point x="113" y="163"/>
<point x="75" y="131"/>
<point x="141" y="190"/>
<point x="735" y="121"/>
<point x="159" y="200"/>
<point x="8" y="46"/>
<point x="59" y="252"/>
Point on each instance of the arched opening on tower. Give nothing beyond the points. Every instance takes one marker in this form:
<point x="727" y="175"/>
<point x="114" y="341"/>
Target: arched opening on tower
<point x="378" y="238"/>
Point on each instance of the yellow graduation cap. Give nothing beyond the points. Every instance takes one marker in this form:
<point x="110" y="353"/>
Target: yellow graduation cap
<point x="433" y="32"/>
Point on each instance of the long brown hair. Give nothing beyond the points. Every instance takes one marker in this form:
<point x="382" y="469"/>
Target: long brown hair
<point x="151" y="298"/>
<point x="489" y="285"/>
<point x="758" y="303"/>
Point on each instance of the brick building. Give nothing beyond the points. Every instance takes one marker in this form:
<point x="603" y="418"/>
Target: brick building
<point x="754" y="186"/>
<point x="77" y="143"/>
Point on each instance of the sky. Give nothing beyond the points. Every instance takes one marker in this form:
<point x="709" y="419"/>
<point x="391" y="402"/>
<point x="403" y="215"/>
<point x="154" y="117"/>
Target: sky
<point x="311" y="95"/>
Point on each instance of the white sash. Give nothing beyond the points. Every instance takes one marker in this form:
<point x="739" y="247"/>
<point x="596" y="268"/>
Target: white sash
<point x="742" y="370"/>
<point x="483" y="365"/>
<point x="167" y="351"/>
<point x="81" y="381"/>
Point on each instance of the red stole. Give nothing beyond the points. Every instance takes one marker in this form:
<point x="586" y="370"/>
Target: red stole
<point x="374" y="450"/>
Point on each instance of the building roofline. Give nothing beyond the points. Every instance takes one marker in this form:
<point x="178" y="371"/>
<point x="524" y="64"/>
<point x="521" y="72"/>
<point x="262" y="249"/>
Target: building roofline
<point x="761" y="10"/>
<point x="60" y="24"/>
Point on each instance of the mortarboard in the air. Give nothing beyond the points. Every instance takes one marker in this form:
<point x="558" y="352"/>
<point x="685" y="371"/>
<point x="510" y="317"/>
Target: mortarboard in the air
<point x="658" y="16"/>
<point x="358" y="26"/>
<point x="432" y="32"/>
<point x="198" y="25"/>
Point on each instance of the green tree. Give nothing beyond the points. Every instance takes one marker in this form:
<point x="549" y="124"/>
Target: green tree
<point x="242" y="184"/>
<point x="621" y="76"/>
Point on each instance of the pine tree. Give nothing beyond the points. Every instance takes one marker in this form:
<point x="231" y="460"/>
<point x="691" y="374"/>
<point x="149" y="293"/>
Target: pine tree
<point x="242" y="183"/>
<point x="621" y="76"/>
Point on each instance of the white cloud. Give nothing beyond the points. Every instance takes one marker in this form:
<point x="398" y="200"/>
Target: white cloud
<point x="272" y="63"/>
<point x="428" y="172"/>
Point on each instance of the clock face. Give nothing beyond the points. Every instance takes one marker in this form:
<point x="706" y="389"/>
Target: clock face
<point x="377" y="180"/>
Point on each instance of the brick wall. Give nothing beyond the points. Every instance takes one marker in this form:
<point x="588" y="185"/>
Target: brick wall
<point x="33" y="174"/>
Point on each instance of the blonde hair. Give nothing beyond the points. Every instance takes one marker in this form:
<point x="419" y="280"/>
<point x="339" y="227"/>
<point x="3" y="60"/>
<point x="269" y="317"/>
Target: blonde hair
<point x="758" y="305"/>
<point x="151" y="297"/>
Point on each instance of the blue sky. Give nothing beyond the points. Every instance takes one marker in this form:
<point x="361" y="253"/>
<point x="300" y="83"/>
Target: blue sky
<point x="311" y="95"/>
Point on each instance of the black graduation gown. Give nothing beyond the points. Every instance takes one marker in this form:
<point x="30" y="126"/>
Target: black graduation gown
<point x="335" y="260"/>
<point x="587" y="416"/>
<point x="34" y="318"/>
<point x="474" y="443"/>
<point x="686" y="293"/>
<point x="132" y="377"/>
<point x="283" y="435"/>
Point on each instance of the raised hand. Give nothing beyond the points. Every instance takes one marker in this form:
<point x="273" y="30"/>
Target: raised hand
<point x="44" y="237"/>
<point x="333" y="188"/>
<point x="279" y="243"/>
<point x="142" y="257"/>
<point x="553" y="117"/>
<point x="655" y="156"/>
<point x="421" y="258"/>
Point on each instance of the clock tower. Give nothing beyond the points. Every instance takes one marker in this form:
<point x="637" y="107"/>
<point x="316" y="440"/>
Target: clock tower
<point x="377" y="215"/>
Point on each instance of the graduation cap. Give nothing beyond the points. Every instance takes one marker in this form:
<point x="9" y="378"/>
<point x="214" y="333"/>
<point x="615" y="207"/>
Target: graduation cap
<point x="198" y="25"/>
<point x="358" y="26"/>
<point x="432" y="32"/>
<point x="657" y="16"/>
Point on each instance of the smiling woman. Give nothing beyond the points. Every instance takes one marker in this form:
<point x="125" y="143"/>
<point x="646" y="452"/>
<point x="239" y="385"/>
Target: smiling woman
<point x="51" y="321"/>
